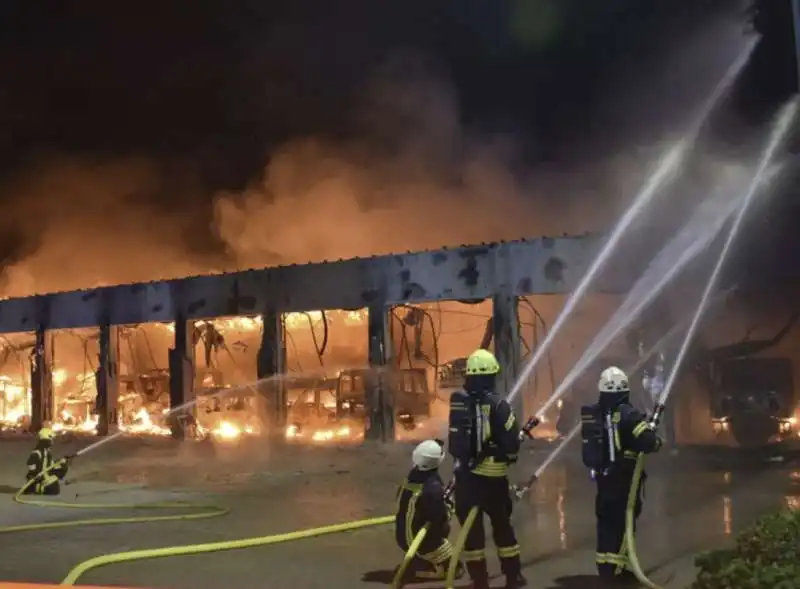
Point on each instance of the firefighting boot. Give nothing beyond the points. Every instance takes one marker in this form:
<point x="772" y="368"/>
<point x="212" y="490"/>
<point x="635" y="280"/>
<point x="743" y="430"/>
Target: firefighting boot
<point x="422" y="571"/>
<point x="512" y="569"/>
<point x="478" y="573"/>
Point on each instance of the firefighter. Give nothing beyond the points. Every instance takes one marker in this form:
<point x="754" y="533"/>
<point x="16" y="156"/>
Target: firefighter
<point x="484" y="440"/>
<point x="613" y="435"/>
<point x="40" y="462"/>
<point x="421" y="501"/>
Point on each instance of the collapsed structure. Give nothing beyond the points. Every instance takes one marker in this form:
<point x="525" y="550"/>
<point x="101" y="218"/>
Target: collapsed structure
<point x="266" y="303"/>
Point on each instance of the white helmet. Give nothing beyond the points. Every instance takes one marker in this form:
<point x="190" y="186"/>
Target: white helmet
<point x="428" y="455"/>
<point x="613" y="380"/>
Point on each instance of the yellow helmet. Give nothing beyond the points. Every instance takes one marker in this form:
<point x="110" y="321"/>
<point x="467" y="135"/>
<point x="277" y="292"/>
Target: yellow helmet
<point x="482" y="362"/>
<point x="46" y="434"/>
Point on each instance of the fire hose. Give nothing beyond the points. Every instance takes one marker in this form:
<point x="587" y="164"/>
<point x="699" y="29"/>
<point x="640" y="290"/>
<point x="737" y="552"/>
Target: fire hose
<point x="458" y="548"/>
<point x="201" y="511"/>
<point x="630" y="510"/>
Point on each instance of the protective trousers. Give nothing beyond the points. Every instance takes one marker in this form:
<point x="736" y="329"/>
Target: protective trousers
<point x="611" y="503"/>
<point x="492" y="496"/>
<point x="432" y="557"/>
<point x="46" y="486"/>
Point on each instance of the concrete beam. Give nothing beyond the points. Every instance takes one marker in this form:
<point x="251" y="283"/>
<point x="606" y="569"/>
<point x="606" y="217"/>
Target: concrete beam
<point x="507" y="349"/>
<point x="270" y="363"/>
<point x="379" y="401"/>
<point x="181" y="377"/>
<point x="107" y="380"/>
<point x="539" y="266"/>
<point x="42" y="398"/>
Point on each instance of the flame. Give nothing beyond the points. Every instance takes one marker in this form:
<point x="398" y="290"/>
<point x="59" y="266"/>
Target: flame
<point x="292" y="321"/>
<point x="143" y="424"/>
<point x="88" y="424"/>
<point x="343" y="433"/>
<point x="227" y="431"/>
<point x="15" y="402"/>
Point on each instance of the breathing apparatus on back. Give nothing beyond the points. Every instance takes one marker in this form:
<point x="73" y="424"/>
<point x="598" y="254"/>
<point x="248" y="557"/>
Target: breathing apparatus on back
<point x="469" y="418"/>
<point x="598" y="422"/>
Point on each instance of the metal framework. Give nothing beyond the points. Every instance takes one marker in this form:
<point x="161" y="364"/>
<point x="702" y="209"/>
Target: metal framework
<point x="500" y="271"/>
<point x="539" y="266"/>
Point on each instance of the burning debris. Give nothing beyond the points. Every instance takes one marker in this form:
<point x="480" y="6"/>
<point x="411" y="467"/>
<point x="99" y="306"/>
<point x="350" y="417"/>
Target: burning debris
<point x="323" y="397"/>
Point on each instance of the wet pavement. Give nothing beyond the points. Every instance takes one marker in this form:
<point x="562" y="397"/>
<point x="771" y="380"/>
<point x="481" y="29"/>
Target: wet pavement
<point x="688" y="507"/>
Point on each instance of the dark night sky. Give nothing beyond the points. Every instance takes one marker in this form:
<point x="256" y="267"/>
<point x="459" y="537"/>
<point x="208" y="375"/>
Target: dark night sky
<point x="207" y="91"/>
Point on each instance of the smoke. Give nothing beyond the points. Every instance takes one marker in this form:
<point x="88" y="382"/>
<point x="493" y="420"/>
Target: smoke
<point x="411" y="176"/>
<point x="85" y="223"/>
<point x="414" y="179"/>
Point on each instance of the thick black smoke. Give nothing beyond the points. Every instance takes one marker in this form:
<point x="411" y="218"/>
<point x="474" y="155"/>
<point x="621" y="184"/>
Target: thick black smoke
<point x="416" y="168"/>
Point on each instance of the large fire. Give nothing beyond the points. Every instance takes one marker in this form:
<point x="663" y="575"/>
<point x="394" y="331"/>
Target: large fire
<point x="75" y="392"/>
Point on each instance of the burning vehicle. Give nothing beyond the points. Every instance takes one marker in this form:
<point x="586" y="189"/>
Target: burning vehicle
<point x="334" y="409"/>
<point x="754" y="402"/>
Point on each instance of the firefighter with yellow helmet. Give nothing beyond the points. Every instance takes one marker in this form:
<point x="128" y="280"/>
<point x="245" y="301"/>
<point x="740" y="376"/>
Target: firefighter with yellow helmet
<point x="484" y="440"/>
<point x="42" y="469"/>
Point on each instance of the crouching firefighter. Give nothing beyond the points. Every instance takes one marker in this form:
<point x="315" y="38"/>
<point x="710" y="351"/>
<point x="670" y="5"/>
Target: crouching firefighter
<point x="42" y="469"/>
<point x="613" y="435"/>
<point x="484" y="440"/>
<point x="421" y="501"/>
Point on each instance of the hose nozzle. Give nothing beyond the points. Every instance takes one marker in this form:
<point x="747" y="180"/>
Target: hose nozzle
<point x="448" y="490"/>
<point x="526" y="430"/>
<point x="519" y="490"/>
<point x="658" y="412"/>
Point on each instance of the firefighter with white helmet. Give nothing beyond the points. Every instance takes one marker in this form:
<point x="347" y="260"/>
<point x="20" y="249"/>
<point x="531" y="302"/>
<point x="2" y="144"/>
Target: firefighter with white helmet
<point x="614" y="433"/>
<point x="484" y="440"/>
<point x="421" y="502"/>
<point x="42" y="468"/>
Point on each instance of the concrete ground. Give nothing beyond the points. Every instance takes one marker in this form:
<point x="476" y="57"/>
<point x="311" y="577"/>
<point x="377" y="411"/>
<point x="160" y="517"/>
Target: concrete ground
<point x="270" y="490"/>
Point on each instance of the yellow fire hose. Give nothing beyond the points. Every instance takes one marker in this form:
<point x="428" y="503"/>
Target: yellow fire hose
<point x="413" y="548"/>
<point x="204" y="511"/>
<point x="458" y="548"/>
<point x="630" y="533"/>
<point x="452" y="566"/>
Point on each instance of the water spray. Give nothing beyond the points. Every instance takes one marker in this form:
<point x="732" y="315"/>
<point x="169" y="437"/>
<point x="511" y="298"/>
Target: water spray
<point x="664" y="340"/>
<point x="781" y="128"/>
<point x="779" y="131"/>
<point x="521" y="490"/>
<point x="174" y="410"/>
<point x="687" y="245"/>
<point x="668" y="165"/>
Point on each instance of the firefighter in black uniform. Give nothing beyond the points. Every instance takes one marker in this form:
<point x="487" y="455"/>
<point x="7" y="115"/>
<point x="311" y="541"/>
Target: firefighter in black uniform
<point x="39" y="461"/>
<point x="484" y="440"/>
<point x="421" y="502"/>
<point x="613" y="435"/>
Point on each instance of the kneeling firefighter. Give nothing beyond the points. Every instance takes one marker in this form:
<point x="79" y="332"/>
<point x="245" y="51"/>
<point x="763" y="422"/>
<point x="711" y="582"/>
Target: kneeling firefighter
<point x="484" y="440"/>
<point x="43" y="469"/>
<point x="613" y="435"/>
<point x="421" y="501"/>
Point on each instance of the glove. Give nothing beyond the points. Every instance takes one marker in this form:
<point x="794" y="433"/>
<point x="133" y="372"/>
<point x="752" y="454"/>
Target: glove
<point x="451" y="508"/>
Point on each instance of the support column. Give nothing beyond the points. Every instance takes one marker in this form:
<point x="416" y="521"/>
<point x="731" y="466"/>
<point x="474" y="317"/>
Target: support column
<point x="181" y="377"/>
<point x="796" y="30"/>
<point x="505" y="322"/>
<point x="271" y="362"/>
<point x="42" y="400"/>
<point x="379" y="401"/>
<point x="107" y="378"/>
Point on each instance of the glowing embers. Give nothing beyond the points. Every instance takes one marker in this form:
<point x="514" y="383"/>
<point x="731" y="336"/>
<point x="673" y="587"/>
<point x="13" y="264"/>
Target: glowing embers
<point x="15" y="378"/>
<point x="74" y="354"/>
<point x="230" y="404"/>
<point x="342" y="433"/>
<point x="324" y="390"/>
<point x="326" y="408"/>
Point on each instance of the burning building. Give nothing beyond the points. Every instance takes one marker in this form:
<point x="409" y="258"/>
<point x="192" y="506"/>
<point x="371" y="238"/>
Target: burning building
<point x="192" y="357"/>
